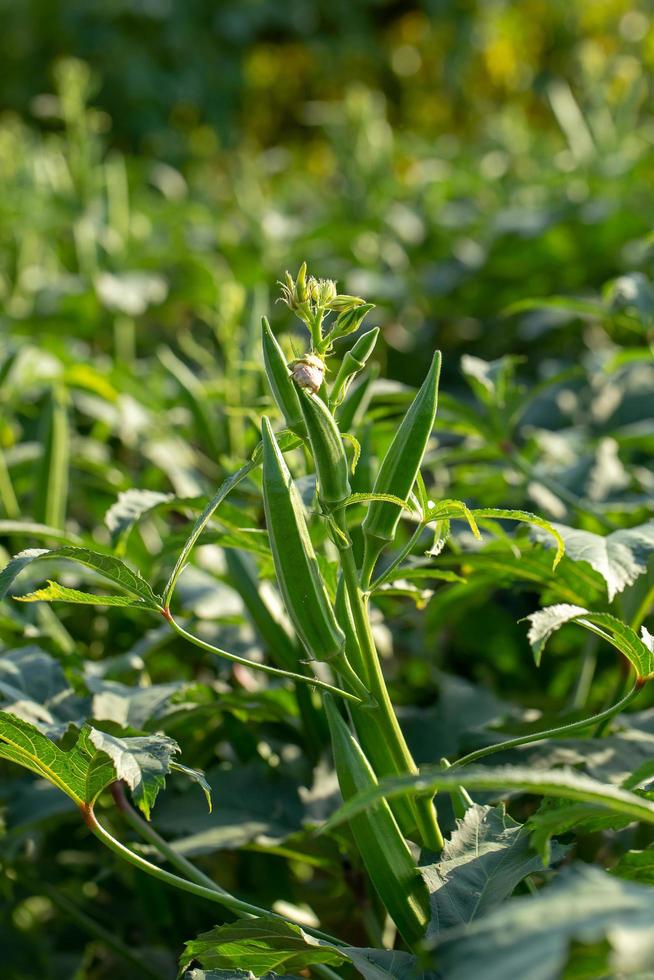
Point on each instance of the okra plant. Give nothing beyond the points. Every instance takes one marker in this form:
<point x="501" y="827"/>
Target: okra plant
<point x="335" y="550"/>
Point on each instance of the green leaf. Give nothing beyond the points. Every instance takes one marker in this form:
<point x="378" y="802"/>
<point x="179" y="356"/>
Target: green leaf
<point x="447" y="510"/>
<point x="142" y="762"/>
<point x="196" y="776"/>
<point x="34" y="687"/>
<point x="132" y="505"/>
<point x="259" y="945"/>
<point x="387" y="964"/>
<point x="555" y="817"/>
<point x="639" y="652"/>
<point x="531" y="936"/>
<point x="527" y="518"/>
<point x="108" y="566"/>
<point x="620" y="557"/>
<point x="61" y="593"/>
<point x="364" y="498"/>
<point x="94" y="761"/>
<point x="233" y="975"/>
<point x="486" y="857"/>
<point x="636" y="866"/>
<point x="564" y="783"/>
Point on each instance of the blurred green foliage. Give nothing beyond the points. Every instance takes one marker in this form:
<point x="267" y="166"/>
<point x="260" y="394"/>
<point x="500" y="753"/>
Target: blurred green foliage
<point x="482" y="173"/>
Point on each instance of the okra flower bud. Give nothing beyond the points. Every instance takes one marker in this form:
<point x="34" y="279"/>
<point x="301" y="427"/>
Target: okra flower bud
<point x="353" y="362"/>
<point x="327" y="450"/>
<point x="308" y="372"/>
<point x="296" y="566"/>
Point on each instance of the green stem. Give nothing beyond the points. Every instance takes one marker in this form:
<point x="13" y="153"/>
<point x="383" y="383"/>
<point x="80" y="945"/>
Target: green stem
<point x="222" y="898"/>
<point x="565" y="730"/>
<point x="148" y="833"/>
<point x="399" y="558"/>
<point x="253" y="665"/>
<point x="225" y="488"/>
<point x="423" y="808"/>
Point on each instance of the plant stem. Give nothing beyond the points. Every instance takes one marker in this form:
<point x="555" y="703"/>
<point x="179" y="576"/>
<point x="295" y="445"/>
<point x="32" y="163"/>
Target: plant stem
<point x="235" y="905"/>
<point x="423" y="808"/>
<point x="148" y="833"/>
<point x="399" y="558"/>
<point x="570" y="729"/>
<point x="265" y="668"/>
<point x="225" y="488"/>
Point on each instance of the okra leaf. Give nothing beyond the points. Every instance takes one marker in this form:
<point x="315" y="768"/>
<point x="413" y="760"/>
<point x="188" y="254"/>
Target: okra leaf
<point x="260" y="945"/>
<point x="487" y="856"/>
<point x="555" y="817"/>
<point x="527" y="518"/>
<point x="636" y="866"/>
<point x="533" y="935"/>
<point x="564" y="783"/>
<point x="639" y="652"/>
<point x="34" y="687"/>
<point x="620" y="557"/>
<point x="110" y="567"/>
<point x="388" y="964"/>
<point x="364" y="498"/>
<point x="132" y="505"/>
<point x="447" y="510"/>
<point x="233" y="975"/>
<point x="94" y="761"/>
<point x="61" y="593"/>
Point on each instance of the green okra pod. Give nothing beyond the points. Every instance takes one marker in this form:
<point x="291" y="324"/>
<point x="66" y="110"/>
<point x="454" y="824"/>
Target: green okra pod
<point x="327" y="449"/>
<point x="400" y="465"/>
<point x="298" y="574"/>
<point x="280" y="380"/>
<point x="379" y="840"/>
<point x="354" y="361"/>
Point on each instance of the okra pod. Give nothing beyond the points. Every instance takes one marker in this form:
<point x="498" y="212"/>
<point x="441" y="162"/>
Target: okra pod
<point x="354" y="361"/>
<point x="296" y="566"/>
<point x="280" y="380"/>
<point x="327" y="449"/>
<point x="400" y="465"/>
<point x="381" y="845"/>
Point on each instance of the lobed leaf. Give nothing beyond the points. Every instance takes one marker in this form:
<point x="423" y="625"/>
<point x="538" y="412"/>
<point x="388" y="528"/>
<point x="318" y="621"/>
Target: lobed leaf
<point x="564" y="783"/>
<point x="95" y="760"/>
<point x="527" y="518"/>
<point x="639" y="652"/>
<point x="532" y="936"/>
<point x="108" y="566"/>
<point x="487" y="856"/>
<point x="61" y="593"/>
<point x="619" y="557"/>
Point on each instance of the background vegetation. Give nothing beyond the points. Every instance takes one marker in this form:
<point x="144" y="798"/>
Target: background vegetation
<point x="482" y="173"/>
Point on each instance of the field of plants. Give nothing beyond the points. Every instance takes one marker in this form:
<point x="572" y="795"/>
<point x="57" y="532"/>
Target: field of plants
<point x="326" y="490"/>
